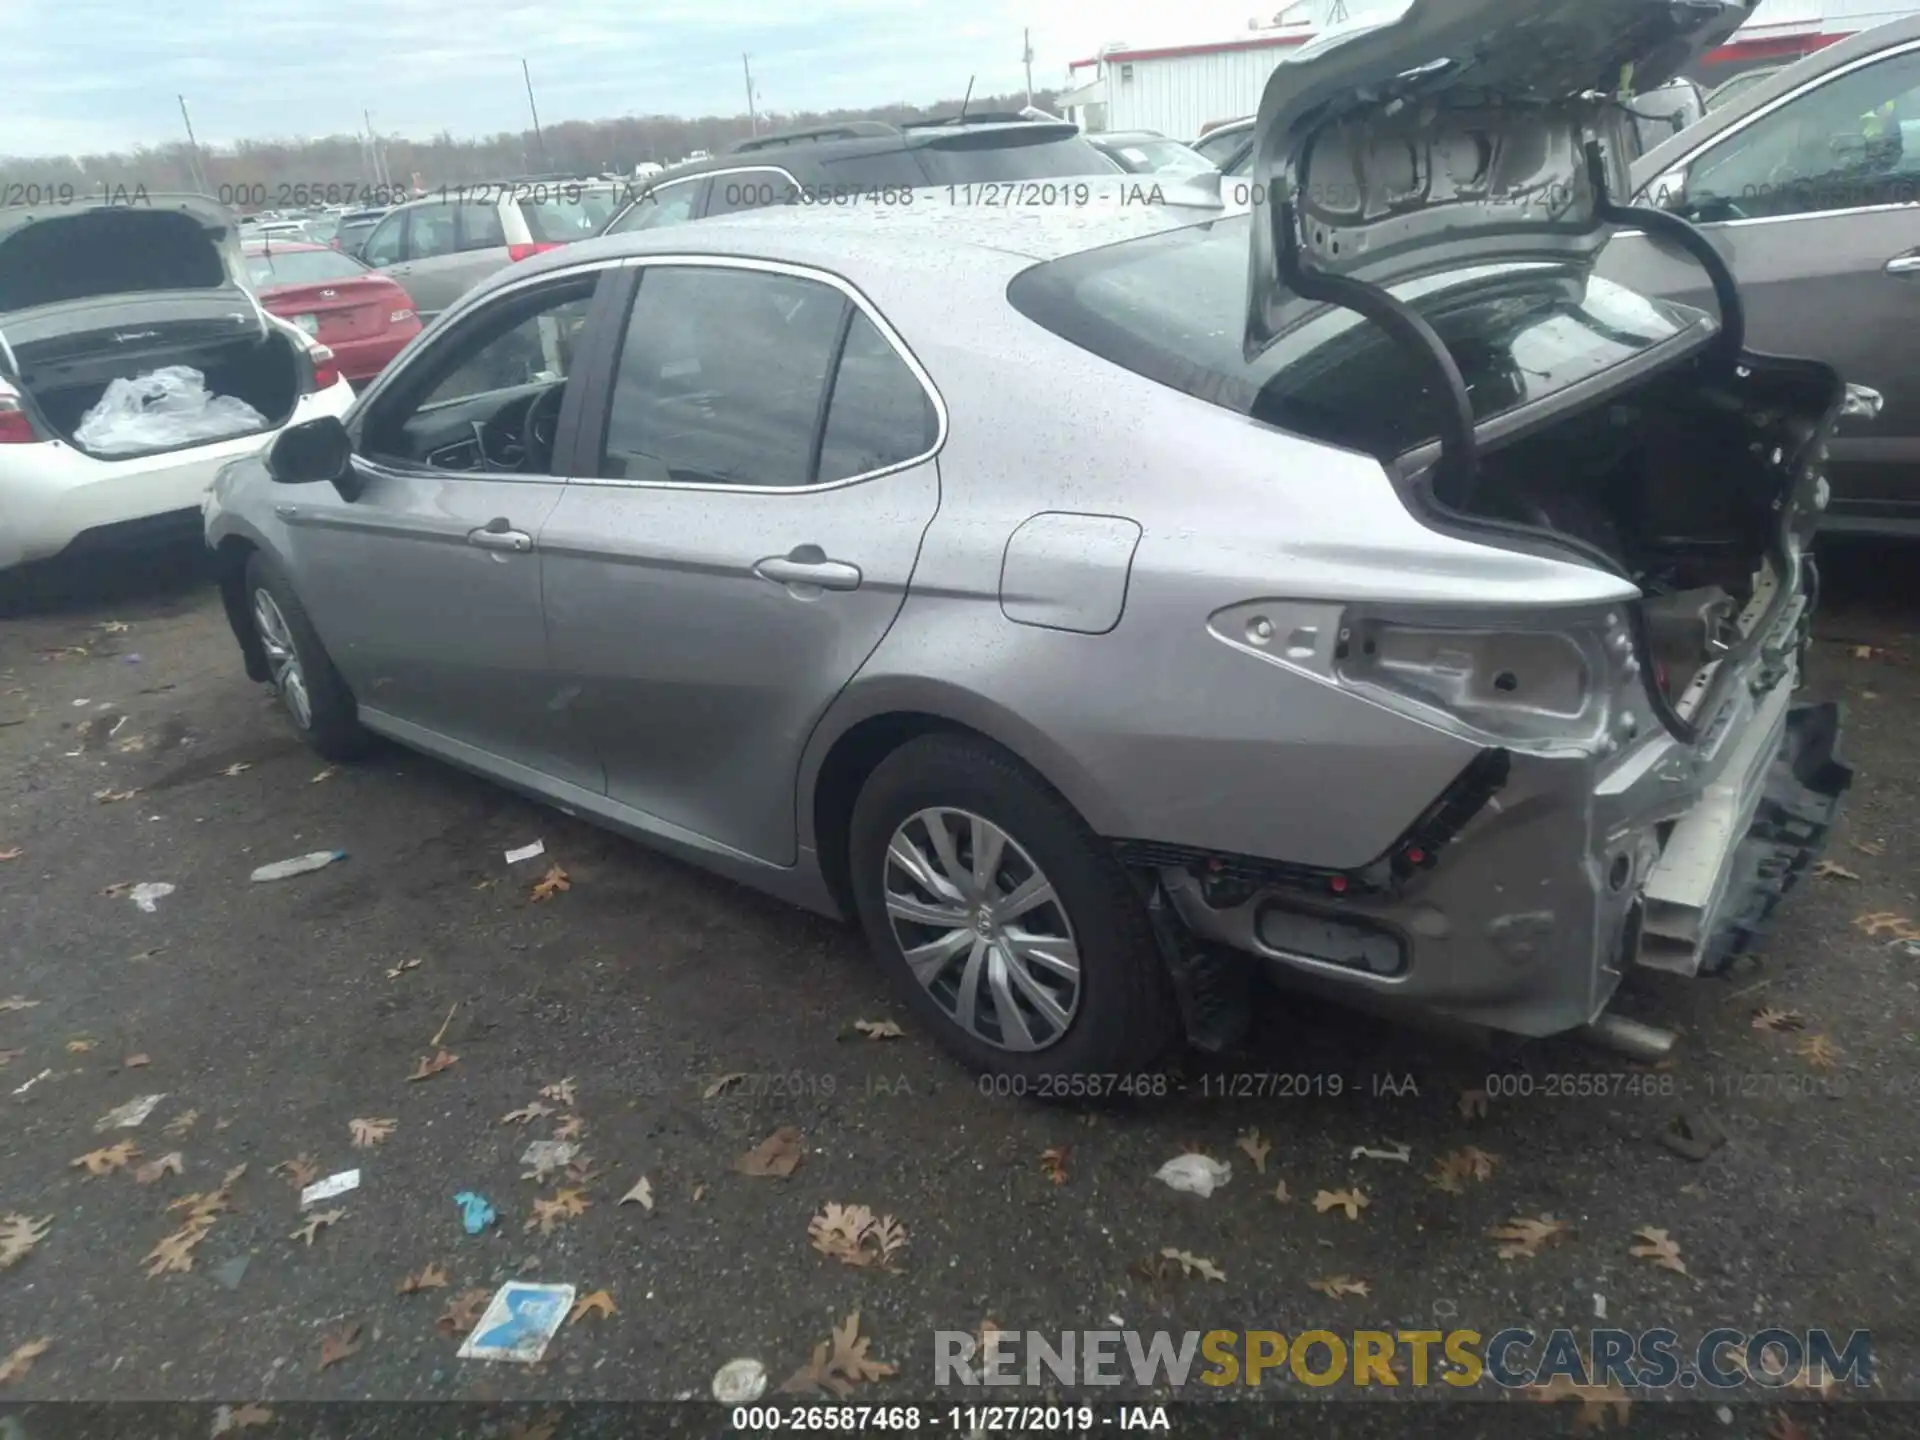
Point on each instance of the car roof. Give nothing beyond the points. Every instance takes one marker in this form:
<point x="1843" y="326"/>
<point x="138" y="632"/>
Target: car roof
<point x="256" y="247"/>
<point x="853" y="138"/>
<point x="1127" y="137"/>
<point x="1783" y="81"/>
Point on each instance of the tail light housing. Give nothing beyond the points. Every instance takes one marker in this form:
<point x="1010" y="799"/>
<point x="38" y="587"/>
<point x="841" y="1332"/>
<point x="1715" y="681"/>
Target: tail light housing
<point x="16" y="426"/>
<point x="326" y="370"/>
<point x="531" y="249"/>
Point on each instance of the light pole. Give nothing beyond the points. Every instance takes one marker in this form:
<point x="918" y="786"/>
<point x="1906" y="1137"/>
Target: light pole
<point x="539" y="140"/>
<point x="199" y="176"/>
<point x="753" y="116"/>
<point x="1026" y="46"/>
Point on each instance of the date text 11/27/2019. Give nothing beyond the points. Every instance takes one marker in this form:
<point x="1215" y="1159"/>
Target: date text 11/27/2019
<point x="959" y="1419"/>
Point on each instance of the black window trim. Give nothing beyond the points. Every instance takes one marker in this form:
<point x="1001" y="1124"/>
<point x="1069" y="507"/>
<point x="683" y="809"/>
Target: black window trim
<point x="592" y="436"/>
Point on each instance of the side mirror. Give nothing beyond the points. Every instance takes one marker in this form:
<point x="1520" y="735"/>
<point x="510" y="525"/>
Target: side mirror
<point x="312" y="452"/>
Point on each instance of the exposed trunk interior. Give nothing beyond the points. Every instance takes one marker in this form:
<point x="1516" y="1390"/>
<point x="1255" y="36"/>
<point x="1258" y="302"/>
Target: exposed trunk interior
<point x="266" y="372"/>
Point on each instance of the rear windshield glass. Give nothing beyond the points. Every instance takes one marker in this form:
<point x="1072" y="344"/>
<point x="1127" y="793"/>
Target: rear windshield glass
<point x="1172" y="307"/>
<point x="301" y="267"/>
<point x="999" y="155"/>
<point x="573" y="215"/>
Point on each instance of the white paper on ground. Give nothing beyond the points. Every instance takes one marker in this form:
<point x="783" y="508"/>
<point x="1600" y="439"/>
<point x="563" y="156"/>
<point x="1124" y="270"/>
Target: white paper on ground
<point x="130" y="1114"/>
<point x="526" y="852"/>
<point x="1195" y="1174"/>
<point x="519" y="1321"/>
<point x="331" y="1186"/>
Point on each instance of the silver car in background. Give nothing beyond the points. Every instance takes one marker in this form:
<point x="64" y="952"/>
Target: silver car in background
<point x="1100" y="602"/>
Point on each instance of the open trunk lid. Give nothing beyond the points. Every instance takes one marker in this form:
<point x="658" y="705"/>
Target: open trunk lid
<point x="84" y="282"/>
<point x="1442" y="133"/>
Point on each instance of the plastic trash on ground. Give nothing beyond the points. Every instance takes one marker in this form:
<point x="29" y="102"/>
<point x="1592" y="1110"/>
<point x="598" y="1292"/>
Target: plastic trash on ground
<point x="333" y="1185"/>
<point x="1194" y="1174"/>
<point x="129" y="1115"/>
<point x="145" y="895"/>
<point x="740" y="1382"/>
<point x="475" y="1213"/>
<point x="163" y="408"/>
<point x="518" y="1323"/>
<point x="299" y="865"/>
<point x="526" y="852"/>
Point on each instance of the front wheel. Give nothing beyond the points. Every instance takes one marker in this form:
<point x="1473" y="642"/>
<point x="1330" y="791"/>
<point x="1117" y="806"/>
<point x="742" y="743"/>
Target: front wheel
<point x="1012" y="928"/>
<point x="317" y="700"/>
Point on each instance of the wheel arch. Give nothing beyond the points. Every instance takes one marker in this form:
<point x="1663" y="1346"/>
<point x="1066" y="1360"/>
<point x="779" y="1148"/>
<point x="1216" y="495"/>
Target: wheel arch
<point x="230" y="558"/>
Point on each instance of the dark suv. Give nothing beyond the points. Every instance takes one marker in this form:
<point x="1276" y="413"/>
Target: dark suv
<point x="843" y="163"/>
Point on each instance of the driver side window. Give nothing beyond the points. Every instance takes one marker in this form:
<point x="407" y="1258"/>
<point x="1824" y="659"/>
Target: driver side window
<point x="1850" y="142"/>
<point x="487" y="396"/>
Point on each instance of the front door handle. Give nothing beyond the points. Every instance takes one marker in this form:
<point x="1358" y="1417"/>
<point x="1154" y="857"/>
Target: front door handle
<point x="1908" y="264"/>
<point x="808" y="565"/>
<point x="498" y="534"/>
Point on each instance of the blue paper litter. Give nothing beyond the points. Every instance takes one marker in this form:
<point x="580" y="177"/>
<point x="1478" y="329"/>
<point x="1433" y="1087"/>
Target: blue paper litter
<point x="475" y="1213"/>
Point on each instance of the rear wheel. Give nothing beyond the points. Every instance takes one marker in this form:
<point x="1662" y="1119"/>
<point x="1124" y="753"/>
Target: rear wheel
<point x="317" y="700"/>
<point x="1012" y="929"/>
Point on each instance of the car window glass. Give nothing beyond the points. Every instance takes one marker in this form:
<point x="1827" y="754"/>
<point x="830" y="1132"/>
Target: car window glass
<point x="382" y="247"/>
<point x="872" y="170"/>
<point x="480" y="227"/>
<point x="1011" y="155"/>
<point x="1852" y="141"/>
<point x="749" y="190"/>
<point x="430" y="232"/>
<point x="658" y="205"/>
<point x="720" y="378"/>
<point x="880" y="414"/>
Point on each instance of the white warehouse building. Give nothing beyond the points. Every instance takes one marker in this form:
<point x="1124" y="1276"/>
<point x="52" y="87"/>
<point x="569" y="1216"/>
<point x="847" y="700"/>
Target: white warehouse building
<point x="1179" y="90"/>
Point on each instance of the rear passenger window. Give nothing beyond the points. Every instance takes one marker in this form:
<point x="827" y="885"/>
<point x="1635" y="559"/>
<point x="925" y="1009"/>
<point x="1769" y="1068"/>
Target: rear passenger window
<point x="880" y="414"/>
<point x="721" y="378"/>
<point x="750" y="190"/>
<point x="430" y="232"/>
<point x="480" y="227"/>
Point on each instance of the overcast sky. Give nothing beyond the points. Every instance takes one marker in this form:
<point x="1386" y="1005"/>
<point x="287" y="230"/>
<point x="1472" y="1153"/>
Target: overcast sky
<point x="95" y="75"/>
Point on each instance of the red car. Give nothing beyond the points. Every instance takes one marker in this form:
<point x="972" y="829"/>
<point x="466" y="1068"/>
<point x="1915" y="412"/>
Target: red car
<point x="359" y="314"/>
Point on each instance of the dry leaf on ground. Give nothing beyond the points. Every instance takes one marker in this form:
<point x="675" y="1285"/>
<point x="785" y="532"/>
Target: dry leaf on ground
<point x="337" y="1345"/>
<point x="854" y="1235"/>
<point x="394" y="972"/>
<point x="327" y="774"/>
<point x="560" y="1092"/>
<point x="114" y="797"/>
<point x="174" y="1254"/>
<point x="80" y="1047"/>
<point x="1257" y="1149"/>
<point x="551" y="884"/>
<point x="369" y="1133"/>
<point x="1352" y="1201"/>
<point x="1768" y="1018"/>
<point x="527" y="1114"/>
<point x="1191" y="1264"/>
<point x="431" y="1277"/>
<point x="17" y="1002"/>
<point x="301" y="1171"/>
<point x="879" y="1029"/>
<point x="1523" y="1235"/>
<point x="1659" y="1247"/>
<point x="1452" y="1170"/>
<point x="430" y="1066"/>
<point x="180" y="1124"/>
<point x="1053" y="1163"/>
<point x="1818" y="1051"/>
<point x="105" y="1161"/>
<point x="171" y="1163"/>
<point x="1280" y="1192"/>
<point x="582" y="1170"/>
<point x="240" y="1417"/>
<point x="316" y="1223"/>
<point x="12" y="852"/>
<point x="719" y="1086"/>
<point x="239" y="767"/>
<point x="571" y="1127"/>
<point x="18" y="1235"/>
<point x="1334" y="1286"/>
<point x="778" y="1155"/>
<point x="135" y="1062"/>
<point x="1473" y="1104"/>
<point x="598" y="1303"/>
<point x="1782" y="1426"/>
<point x="22" y="1358"/>
<point x="564" y="1205"/>
<point x="7" y="1057"/>
<point x="838" y="1366"/>
<point x="463" y="1312"/>
<point x="1886" y="922"/>
<point x="1830" y="869"/>
<point x="1597" y="1402"/>
<point x="641" y="1194"/>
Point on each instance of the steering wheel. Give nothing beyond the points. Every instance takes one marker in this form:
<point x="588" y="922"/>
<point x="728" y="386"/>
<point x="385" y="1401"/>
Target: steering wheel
<point x="541" y="429"/>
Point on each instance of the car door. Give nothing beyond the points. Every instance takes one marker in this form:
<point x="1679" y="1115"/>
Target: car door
<point x="1813" y="201"/>
<point x="384" y="245"/>
<point x="431" y="271"/>
<point x="426" y="588"/>
<point x="765" y="474"/>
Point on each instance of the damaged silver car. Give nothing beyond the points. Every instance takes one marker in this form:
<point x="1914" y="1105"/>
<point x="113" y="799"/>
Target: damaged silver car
<point x="1099" y="602"/>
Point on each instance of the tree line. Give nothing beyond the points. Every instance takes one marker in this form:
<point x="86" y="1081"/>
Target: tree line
<point x="572" y="147"/>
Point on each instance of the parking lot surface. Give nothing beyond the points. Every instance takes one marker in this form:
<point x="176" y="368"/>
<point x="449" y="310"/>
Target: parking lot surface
<point x="667" y="1023"/>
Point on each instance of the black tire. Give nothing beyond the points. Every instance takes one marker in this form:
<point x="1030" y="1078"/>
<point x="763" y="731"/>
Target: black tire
<point x="333" y="729"/>
<point x="1127" y="1020"/>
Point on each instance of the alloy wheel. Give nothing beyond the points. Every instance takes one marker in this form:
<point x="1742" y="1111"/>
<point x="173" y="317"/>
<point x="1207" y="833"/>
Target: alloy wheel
<point x="283" y="658"/>
<point x="981" y="927"/>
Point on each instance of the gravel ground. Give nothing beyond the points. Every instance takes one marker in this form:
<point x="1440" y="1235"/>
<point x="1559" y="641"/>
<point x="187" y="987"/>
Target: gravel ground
<point x="278" y="1014"/>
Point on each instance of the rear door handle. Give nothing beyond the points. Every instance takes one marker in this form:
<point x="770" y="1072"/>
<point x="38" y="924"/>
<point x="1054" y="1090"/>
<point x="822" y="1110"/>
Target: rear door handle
<point x="496" y="535"/>
<point x="1908" y="264"/>
<point x="800" y="568"/>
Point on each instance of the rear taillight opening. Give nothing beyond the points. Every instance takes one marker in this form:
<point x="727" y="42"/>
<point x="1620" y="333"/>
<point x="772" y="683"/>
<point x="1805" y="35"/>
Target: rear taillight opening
<point x="16" y="426"/>
<point x="326" y="369"/>
<point x="531" y="249"/>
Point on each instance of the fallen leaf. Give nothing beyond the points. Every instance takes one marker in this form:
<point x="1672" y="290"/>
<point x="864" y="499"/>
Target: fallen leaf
<point x="1782" y="1426"/>
<point x="80" y="1047"/>
<point x="326" y="774"/>
<point x="105" y="1161"/>
<point x="463" y="1312"/>
<point x="1886" y="922"/>
<point x="1768" y="1018"/>
<point x="395" y="972"/>
<point x="1473" y="1104"/>
<point x="1863" y="652"/>
<point x="369" y="1133"/>
<point x="551" y="884"/>
<point x="17" y="1002"/>
<point x="22" y="1358"/>
<point x="226" y="1180"/>
<point x="180" y="1124"/>
<point x="837" y="1367"/>
<point x="641" y="1194"/>
<point x="1191" y="1264"/>
<point x="1334" y="1286"/>
<point x="114" y="797"/>
<point x="202" y="1207"/>
<point x="301" y="1171"/>
<point x="1829" y="869"/>
<point x="1400" y="1153"/>
<point x="317" y="1222"/>
<point x="174" y="1254"/>
<point x="1053" y="1164"/>
<point x="1280" y="1193"/>
<point x="12" y="853"/>
<point x="239" y="767"/>
<point x="337" y="1345"/>
<point x="854" y="1235"/>
<point x="1523" y="1235"/>
<point x="565" y="1205"/>
<point x="879" y="1029"/>
<point x="1597" y="1402"/>
<point x="1869" y="847"/>
<point x="582" y="1170"/>
<point x="1257" y="1149"/>
<point x="431" y="1066"/>
<point x="1818" y="1051"/>
<point x="526" y="1114"/>
<point x="431" y="1277"/>
<point x="720" y="1086"/>
<point x="7" y="1057"/>
<point x="18" y="1235"/>
<point x="1660" y="1248"/>
<point x="441" y="1033"/>
<point x="1452" y="1170"/>
<point x="598" y="1303"/>
<point x="240" y="1417"/>
<point x="171" y="1163"/>
<point x="699" y="1191"/>
<point x="778" y="1155"/>
<point x="560" y="1092"/>
<point x="135" y="1062"/>
<point x="541" y="1427"/>
<point x="571" y="1127"/>
<point x="1352" y="1201"/>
